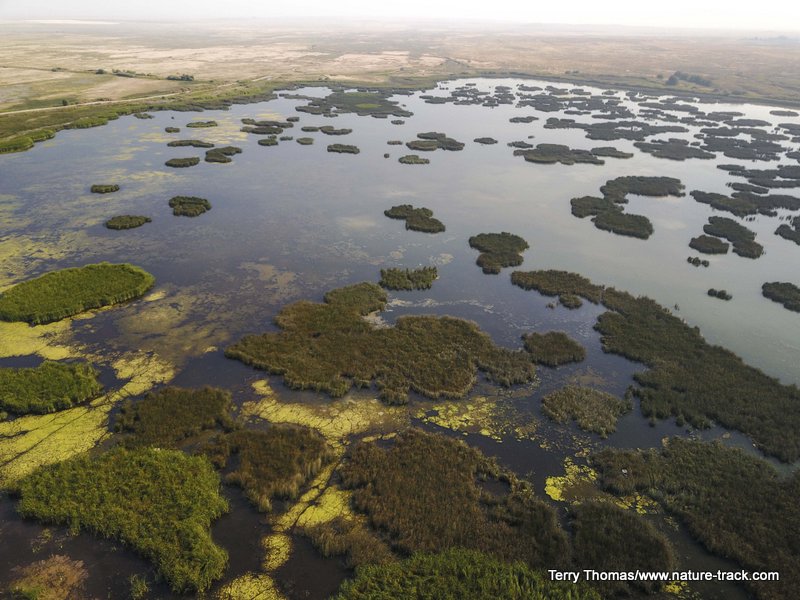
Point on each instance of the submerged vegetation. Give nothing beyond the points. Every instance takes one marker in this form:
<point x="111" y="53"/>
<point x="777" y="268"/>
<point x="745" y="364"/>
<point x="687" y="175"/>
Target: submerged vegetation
<point x="498" y="250"/>
<point x="687" y="378"/>
<point x="61" y="294"/>
<point x="412" y="491"/>
<point x="720" y="494"/>
<point x="104" y="188"/>
<point x="458" y="573"/>
<point x="784" y="293"/>
<point x="406" y="279"/>
<point x="160" y="502"/>
<point x="417" y="219"/>
<point x="591" y="409"/>
<point x="330" y="347"/>
<point x="189" y="206"/>
<point x="50" y="387"/>
<point x="127" y="221"/>
<point x="270" y="464"/>
<point x="553" y="348"/>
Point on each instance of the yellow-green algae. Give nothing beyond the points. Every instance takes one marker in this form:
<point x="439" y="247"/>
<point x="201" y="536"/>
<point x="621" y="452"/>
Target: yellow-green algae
<point x="250" y="586"/>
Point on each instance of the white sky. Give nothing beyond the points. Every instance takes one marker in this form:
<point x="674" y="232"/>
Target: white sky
<point x="779" y="15"/>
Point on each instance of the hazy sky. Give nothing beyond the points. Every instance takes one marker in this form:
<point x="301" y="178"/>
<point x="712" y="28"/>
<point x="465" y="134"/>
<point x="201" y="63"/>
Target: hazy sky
<point x="729" y="14"/>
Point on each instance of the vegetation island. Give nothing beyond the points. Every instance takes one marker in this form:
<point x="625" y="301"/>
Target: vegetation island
<point x="343" y="148"/>
<point x="784" y="293"/>
<point x="201" y="124"/>
<point x="104" y="188"/>
<point x="417" y="219"/>
<point x="182" y="163"/>
<point x="413" y="159"/>
<point x="741" y="238"/>
<point x="553" y="348"/>
<point x="720" y="294"/>
<point x="498" y="250"/>
<point x="127" y="221"/>
<point x="408" y="279"/>
<point x="558" y="153"/>
<point x="591" y="409"/>
<point x="189" y="143"/>
<point x="433" y="140"/>
<point x="50" y="387"/>
<point x="189" y="206"/>
<point x="61" y="294"/>
<point x="222" y="155"/>
<point x="708" y="245"/>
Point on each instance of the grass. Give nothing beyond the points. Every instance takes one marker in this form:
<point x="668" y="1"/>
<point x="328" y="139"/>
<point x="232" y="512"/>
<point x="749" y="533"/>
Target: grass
<point x="171" y="415"/>
<point x="160" y="502"/>
<point x="127" y="221"/>
<point x="742" y="238"/>
<point x="350" y="538"/>
<point x="50" y="387"/>
<point x="553" y="348"/>
<point x="457" y="573"/>
<point x="407" y="279"/>
<point x="330" y="347"/>
<point x="609" y="538"/>
<point x="54" y="578"/>
<point x="189" y="206"/>
<point x="498" y="250"/>
<point x="784" y="293"/>
<point x="182" y="163"/>
<point x="61" y="294"/>
<point x="104" y="188"/>
<point x="417" y="219"/>
<point x="412" y="491"/>
<point x="708" y="245"/>
<point x="687" y="378"/>
<point x="592" y="409"/>
<point x="271" y="464"/>
<point x="736" y="504"/>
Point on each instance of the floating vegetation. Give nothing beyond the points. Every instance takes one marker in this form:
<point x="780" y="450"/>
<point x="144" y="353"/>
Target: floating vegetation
<point x="720" y="494"/>
<point x="433" y="140"/>
<point x="558" y="153"/>
<point x="614" y="130"/>
<point x="161" y="502"/>
<point x="271" y="464"/>
<point x="528" y="119"/>
<point x="486" y="141"/>
<point x="127" y="221"/>
<point x="611" y="539"/>
<point x="408" y="279"/>
<point x="591" y="409"/>
<point x="417" y="219"/>
<point x="50" y="387"/>
<point x="498" y="250"/>
<point x="721" y="294"/>
<point x="172" y="129"/>
<point x="567" y="286"/>
<point x="607" y="213"/>
<point x="791" y="231"/>
<point x="331" y="130"/>
<point x="222" y="155"/>
<point x="610" y="152"/>
<point x="743" y="204"/>
<point x="784" y="113"/>
<point x="673" y="149"/>
<point x="182" y="163"/>
<point x="104" y="188"/>
<point x="708" y="245"/>
<point x="191" y="143"/>
<point x="412" y="159"/>
<point x="61" y="294"/>
<point x="330" y="347"/>
<point x="374" y="103"/>
<point x="411" y="491"/>
<point x="54" y="578"/>
<point x="305" y="141"/>
<point x="687" y="378"/>
<point x="343" y="148"/>
<point x="269" y="141"/>
<point x="784" y="293"/>
<point x="742" y="238"/>
<point x="458" y="573"/>
<point x="395" y="142"/>
<point x="201" y="124"/>
<point x="696" y="261"/>
<point x="553" y="348"/>
<point x="189" y="206"/>
<point x="168" y="417"/>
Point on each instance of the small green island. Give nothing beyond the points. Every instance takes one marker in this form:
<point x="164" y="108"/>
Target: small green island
<point x="591" y="409"/>
<point x="182" y="163"/>
<point x="188" y="206"/>
<point x="305" y="141"/>
<point x="498" y="250"/>
<point x="709" y="245"/>
<point x="223" y="154"/>
<point x="68" y="292"/>
<point x="189" y="143"/>
<point x="50" y="387"/>
<point x="784" y="293"/>
<point x="343" y="149"/>
<point x="719" y="294"/>
<point x="413" y="159"/>
<point x="741" y="238"/>
<point x="201" y="124"/>
<point x="417" y="219"/>
<point x="408" y="279"/>
<point x="127" y="221"/>
<point x="553" y="348"/>
<point x="172" y="129"/>
<point x="104" y="188"/>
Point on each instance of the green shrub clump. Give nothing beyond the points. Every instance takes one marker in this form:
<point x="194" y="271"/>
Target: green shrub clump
<point x="553" y="348"/>
<point x="406" y="279"/>
<point x="330" y="347"/>
<point x="171" y="415"/>
<point x="188" y="206"/>
<point x="127" y="221"/>
<point x="50" y="387"/>
<point x="104" y="188"/>
<point x="785" y="293"/>
<point x="160" y="502"/>
<point x="417" y="219"/>
<point x="457" y="573"/>
<point x="592" y="409"/>
<point x="61" y="294"/>
<point x="498" y="250"/>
